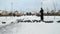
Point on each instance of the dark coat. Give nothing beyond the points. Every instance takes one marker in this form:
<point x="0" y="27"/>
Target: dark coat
<point x="41" y="11"/>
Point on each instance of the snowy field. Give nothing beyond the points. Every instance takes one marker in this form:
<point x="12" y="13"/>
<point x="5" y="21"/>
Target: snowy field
<point x="29" y="28"/>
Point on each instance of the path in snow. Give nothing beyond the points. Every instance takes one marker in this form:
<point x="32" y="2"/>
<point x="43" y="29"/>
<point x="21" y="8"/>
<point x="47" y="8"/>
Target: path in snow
<point x="31" y="28"/>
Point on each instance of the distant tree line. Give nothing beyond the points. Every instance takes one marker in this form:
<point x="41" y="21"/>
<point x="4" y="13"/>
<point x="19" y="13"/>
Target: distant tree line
<point x="17" y="13"/>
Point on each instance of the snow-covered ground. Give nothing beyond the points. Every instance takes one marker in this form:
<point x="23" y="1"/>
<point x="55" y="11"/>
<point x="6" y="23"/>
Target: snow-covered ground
<point x="29" y="28"/>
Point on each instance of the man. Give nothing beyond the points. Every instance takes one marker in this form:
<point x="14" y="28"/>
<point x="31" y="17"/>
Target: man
<point x="41" y="11"/>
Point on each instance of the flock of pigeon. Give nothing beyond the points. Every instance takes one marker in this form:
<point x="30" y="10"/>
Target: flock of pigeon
<point x="28" y="19"/>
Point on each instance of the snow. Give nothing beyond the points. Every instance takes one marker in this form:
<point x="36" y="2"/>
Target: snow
<point x="29" y="28"/>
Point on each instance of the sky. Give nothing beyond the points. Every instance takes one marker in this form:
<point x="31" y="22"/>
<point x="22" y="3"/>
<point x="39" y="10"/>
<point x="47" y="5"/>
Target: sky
<point x="29" y="5"/>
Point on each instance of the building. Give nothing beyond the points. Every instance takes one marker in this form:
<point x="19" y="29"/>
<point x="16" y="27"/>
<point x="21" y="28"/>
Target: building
<point x="4" y="13"/>
<point x="17" y="13"/>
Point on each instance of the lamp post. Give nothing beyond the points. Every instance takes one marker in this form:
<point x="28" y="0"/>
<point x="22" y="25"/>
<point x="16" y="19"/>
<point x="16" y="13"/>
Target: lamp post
<point x="11" y="2"/>
<point x="54" y="5"/>
<point x="41" y="4"/>
<point x="11" y="6"/>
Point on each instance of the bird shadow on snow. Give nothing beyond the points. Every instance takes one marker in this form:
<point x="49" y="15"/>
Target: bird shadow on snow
<point x="58" y="21"/>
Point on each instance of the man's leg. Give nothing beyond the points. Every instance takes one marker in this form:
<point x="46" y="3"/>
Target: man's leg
<point x="42" y="18"/>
